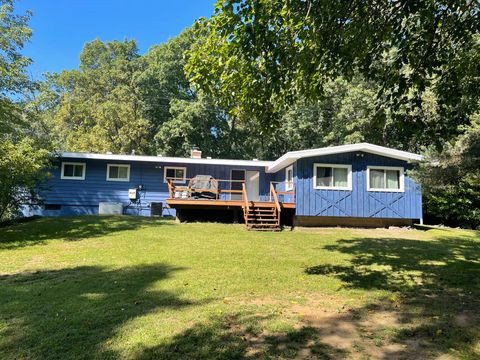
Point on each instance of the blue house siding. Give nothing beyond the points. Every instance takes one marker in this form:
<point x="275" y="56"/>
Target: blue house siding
<point x="83" y="196"/>
<point x="358" y="202"/>
<point x="280" y="177"/>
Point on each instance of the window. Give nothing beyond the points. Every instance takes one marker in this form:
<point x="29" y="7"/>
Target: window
<point x="332" y="177"/>
<point x="289" y="178"/>
<point x="73" y="171"/>
<point x="177" y="174"/>
<point x="385" y="179"/>
<point x="118" y="172"/>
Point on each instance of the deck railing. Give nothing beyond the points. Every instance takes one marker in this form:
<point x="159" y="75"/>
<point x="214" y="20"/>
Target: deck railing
<point x="284" y="195"/>
<point x="223" y="187"/>
<point x="245" y="198"/>
<point x="273" y="194"/>
<point x="277" y="190"/>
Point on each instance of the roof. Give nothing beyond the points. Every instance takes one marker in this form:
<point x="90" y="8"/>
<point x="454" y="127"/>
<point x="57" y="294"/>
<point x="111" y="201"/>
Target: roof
<point x="167" y="159"/>
<point x="270" y="166"/>
<point x="291" y="156"/>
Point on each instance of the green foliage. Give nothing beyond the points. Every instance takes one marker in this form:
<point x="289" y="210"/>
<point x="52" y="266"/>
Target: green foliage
<point x="14" y="32"/>
<point x="22" y="163"/>
<point x="98" y="107"/>
<point x="193" y="123"/>
<point x="22" y="169"/>
<point x="451" y="180"/>
<point x="120" y="101"/>
<point x="259" y="55"/>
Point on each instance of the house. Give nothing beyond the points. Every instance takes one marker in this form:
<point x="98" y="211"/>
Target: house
<point x="359" y="184"/>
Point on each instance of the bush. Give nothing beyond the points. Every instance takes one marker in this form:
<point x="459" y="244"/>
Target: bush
<point x="22" y="169"/>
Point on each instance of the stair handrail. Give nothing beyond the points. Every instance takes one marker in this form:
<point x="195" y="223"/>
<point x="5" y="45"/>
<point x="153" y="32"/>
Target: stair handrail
<point x="273" y="193"/>
<point x="171" y="188"/>
<point x="245" y="199"/>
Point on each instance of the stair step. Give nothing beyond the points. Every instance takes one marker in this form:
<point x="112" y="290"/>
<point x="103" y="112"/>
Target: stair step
<point x="263" y="219"/>
<point x="261" y="216"/>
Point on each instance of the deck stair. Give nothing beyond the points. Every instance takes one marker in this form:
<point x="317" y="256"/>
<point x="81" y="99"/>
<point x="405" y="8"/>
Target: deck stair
<point x="262" y="216"/>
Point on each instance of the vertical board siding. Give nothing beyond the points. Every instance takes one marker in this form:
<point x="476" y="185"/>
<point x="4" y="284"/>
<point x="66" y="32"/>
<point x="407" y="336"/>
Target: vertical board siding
<point x="358" y="202"/>
<point x="280" y="177"/>
<point x="83" y="196"/>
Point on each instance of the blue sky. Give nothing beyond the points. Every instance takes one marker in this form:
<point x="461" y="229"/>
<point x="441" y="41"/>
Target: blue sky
<point x="61" y="27"/>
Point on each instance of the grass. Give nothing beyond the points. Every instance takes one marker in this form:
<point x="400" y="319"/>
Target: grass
<point x="141" y="288"/>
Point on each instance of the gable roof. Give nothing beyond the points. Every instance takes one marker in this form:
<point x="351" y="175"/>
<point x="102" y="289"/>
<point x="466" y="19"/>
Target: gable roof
<point x="291" y="156"/>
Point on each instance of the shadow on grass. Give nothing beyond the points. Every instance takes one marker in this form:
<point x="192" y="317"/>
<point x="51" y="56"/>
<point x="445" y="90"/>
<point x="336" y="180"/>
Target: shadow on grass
<point x="70" y="313"/>
<point x="241" y="337"/>
<point x="436" y="287"/>
<point x="70" y="229"/>
<point x="73" y="313"/>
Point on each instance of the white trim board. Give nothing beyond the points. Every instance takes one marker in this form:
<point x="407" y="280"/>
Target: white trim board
<point x="175" y="168"/>
<point x="84" y="170"/>
<point x="401" y="178"/>
<point x="118" y="179"/>
<point x="349" y="186"/>
<point x="290" y="157"/>
<point x="270" y="166"/>
<point x="164" y="159"/>
<point x="289" y="186"/>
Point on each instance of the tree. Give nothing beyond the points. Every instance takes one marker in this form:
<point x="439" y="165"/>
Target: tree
<point x="98" y="107"/>
<point x="163" y="78"/>
<point x="13" y="77"/>
<point x="259" y="55"/>
<point x="193" y="123"/>
<point x="22" y="168"/>
<point x="451" y="180"/>
<point x="22" y="163"/>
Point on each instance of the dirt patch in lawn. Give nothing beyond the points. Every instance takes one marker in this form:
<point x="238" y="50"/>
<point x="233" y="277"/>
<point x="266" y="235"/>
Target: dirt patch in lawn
<point x="388" y="329"/>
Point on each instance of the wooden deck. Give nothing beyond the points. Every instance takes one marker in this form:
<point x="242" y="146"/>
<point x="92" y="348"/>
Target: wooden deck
<point x="206" y="203"/>
<point x="258" y="215"/>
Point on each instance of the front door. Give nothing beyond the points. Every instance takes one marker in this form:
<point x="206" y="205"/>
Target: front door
<point x="253" y="185"/>
<point x="235" y="184"/>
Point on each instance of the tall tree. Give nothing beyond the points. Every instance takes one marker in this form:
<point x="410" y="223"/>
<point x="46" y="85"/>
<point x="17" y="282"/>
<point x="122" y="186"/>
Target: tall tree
<point x="22" y="164"/>
<point x="258" y="55"/>
<point x="451" y="180"/>
<point x="14" y="32"/>
<point x="98" y="107"/>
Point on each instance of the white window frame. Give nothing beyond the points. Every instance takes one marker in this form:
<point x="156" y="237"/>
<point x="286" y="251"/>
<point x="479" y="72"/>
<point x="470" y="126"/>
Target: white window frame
<point x="63" y="177"/>
<point x="337" y="166"/>
<point x="401" y="179"/>
<point x="118" y="179"/>
<point x="288" y="186"/>
<point x="175" y="168"/>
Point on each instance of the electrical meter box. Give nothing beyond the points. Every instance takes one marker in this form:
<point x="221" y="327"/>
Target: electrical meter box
<point x="132" y="194"/>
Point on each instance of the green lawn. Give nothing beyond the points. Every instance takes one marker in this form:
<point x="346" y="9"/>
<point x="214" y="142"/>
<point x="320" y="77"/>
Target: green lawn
<point x="141" y="288"/>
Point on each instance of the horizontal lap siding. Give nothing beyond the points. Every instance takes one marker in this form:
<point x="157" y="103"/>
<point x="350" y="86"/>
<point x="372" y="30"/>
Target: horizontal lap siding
<point x="83" y="196"/>
<point x="359" y="202"/>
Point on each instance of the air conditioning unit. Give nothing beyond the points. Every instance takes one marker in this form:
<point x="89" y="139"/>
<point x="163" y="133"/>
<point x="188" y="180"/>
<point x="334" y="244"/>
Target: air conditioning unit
<point x="110" y="208"/>
<point x="156" y="209"/>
